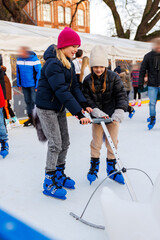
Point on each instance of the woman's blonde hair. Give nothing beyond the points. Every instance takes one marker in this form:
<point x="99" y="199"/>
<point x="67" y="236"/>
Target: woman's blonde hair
<point x="85" y="63"/>
<point x="104" y="83"/>
<point x="60" y="55"/>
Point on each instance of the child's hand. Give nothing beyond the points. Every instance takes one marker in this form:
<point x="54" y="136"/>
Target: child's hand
<point x="85" y="121"/>
<point x="89" y="110"/>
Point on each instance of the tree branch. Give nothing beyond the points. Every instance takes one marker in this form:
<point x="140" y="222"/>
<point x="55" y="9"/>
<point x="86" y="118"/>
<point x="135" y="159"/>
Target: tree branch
<point x="147" y="8"/>
<point x="151" y="36"/>
<point x="76" y="9"/>
<point x="22" y="3"/>
<point x="116" y="16"/>
<point x="16" y="12"/>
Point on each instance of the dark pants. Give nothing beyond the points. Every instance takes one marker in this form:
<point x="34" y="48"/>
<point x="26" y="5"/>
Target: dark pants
<point x="29" y="97"/>
<point x="136" y="92"/>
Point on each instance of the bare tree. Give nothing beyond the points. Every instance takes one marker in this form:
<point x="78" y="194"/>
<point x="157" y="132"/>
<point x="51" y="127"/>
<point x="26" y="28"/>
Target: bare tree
<point x="149" y="18"/>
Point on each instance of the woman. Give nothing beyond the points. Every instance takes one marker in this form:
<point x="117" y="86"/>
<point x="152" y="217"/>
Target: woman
<point x="58" y="89"/>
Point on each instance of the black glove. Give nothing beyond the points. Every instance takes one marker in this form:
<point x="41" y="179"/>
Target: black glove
<point x="141" y="87"/>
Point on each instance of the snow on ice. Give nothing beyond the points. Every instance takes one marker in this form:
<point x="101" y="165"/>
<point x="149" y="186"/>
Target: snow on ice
<point x="22" y="175"/>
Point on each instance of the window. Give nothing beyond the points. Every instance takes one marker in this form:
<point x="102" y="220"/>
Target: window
<point x="60" y="14"/>
<point x="67" y="15"/>
<point x="80" y="17"/>
<point x="47" y="12"/>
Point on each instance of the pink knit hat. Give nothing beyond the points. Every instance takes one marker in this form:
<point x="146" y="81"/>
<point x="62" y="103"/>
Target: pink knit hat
<point x="67" y="38"/>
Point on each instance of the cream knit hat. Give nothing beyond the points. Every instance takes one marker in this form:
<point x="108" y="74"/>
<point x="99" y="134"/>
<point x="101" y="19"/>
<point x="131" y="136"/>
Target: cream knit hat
<point x="99" y="57"/>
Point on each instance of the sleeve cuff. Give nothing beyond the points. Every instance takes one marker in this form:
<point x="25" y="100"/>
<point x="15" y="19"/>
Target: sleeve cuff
<point x="84" y="105"/>
<point x="80" y="115"/>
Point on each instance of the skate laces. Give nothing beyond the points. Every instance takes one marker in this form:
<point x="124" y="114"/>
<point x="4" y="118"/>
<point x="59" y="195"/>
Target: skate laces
<point x="4" y="146"/>
<point x="93" y="169"/>
<point x="63" y="175"/>
<point x="55" y="183"/>
<point x="113" y="164"/>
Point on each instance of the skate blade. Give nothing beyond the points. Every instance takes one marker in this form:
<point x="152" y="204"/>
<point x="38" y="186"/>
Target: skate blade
<point x="51" y="195"/>
<point x="86" y="222"/>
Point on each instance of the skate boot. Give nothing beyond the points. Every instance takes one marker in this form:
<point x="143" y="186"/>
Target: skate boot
<point x="92" y="174"/>
<point x="139" y="103"/>
<point x="29" y="122"/>
<point x="52" y="188"/>
<point x="62" y="179"/>
<point x="4" y="149"/>
<point x="131" y="112"/>
<point x="133" y="103"/>
<point x="111" y="168"/>
<point x="152" y="123"/>
<point x="149" y="119"/>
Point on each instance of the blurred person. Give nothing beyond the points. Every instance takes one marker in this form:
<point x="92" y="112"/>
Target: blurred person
<point x="78" y="63"/>
<point x="3" y="132"/>
<point x="8" y="111"/>
<point x="85" y="69"/>
<point x="125" y="77"/>
<point x="28" y="74"/>
<point x="151" y="67"/>
<point x="135" y="78"/>
<point x="117" y="70"/>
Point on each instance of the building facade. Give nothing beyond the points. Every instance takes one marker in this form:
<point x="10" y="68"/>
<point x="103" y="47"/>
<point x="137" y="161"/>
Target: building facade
<point x="58" y="14"/>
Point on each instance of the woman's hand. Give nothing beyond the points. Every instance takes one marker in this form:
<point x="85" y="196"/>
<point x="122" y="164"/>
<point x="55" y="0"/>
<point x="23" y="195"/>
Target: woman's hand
<point x="89" y="110"/>
<point x="85" y="121"/>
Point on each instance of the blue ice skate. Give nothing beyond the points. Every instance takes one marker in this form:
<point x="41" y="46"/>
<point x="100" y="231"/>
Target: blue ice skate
<point x="131" y="114"/>
<point x="149" y="119"/>
<point x="92" y="174"/>
<point x="52" y="188"/>
<point x="4" y="149"/>
<point x="152" y="123"/>
<point x="111" y="168"/>
<point x="62" y="179"/>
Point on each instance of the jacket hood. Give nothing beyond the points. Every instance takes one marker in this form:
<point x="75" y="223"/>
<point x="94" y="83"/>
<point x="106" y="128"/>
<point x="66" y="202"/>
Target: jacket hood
<point x="50" y="52"/>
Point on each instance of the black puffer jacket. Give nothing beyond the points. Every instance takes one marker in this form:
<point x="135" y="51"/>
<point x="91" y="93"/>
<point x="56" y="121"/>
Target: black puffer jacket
<point x="151" y="66"/>
<point x="113" y="98"/>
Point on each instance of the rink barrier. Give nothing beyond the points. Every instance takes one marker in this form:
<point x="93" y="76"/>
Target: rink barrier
<point x="68" y="114"/>
<point x="13" y="229"/>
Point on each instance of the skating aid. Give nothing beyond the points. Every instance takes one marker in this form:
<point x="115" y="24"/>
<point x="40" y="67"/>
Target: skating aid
<point x="123" y="170"/>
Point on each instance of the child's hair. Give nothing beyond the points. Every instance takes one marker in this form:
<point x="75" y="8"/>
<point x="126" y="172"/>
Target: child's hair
<point x="104" y="83"/>
<point x="79" y="53"/>
<point x="60" y="55"/>
<point x="85" y="63"/>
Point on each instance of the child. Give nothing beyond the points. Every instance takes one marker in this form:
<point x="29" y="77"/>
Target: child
<point x="106" y="95"/>
<point x="135" y="77"/>
<point x="85" y="70"/>
<point x="8" y="109"/>
<point x="58" y="89"/>
<point x="3" y="133"/>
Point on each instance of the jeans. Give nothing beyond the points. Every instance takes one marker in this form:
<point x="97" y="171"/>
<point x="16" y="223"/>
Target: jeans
<point x="153" y="94"/>
<point x="55" y="128"/>
<point x="3" y="132"/>
<point x="29" y="97"/>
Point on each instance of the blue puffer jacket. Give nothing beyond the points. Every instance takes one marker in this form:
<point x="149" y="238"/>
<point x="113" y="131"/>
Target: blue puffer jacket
<point x="28" y="71"/>
<point x="58" y="87"/>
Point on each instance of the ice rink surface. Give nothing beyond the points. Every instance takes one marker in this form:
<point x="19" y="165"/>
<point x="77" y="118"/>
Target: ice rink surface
<point x="22" y="175"/>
